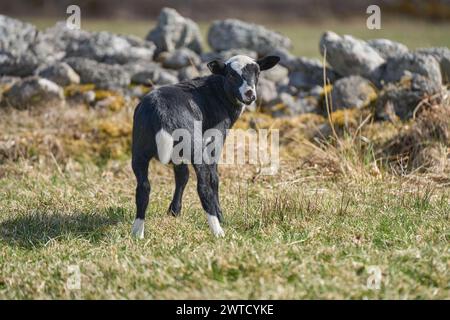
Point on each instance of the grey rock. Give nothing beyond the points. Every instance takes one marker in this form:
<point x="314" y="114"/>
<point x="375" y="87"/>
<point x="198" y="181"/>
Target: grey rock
<point x="139" y="66"/>
<point x="174" y="31"/>
<point x="445" y="70"/>
<point x="425" y="65"/>
<point x="86" y="98"/>
<point x="60" y="73"/>
<point x="18" y="64"/>
<point x="157" y="76"/>
<point x="235" y="34"/>
<point x="300" y="80"/>
<point x="301" y="105"/>
<point x="425" y="85"/>
<point x="401" y="99"/>
<point x="288" y="100"/>
<point x="352" y="92"/>
<point x="187" y="73"/>
<point x="316" y="91"/>
<point x="111" y="48"/>
<point x="191" y="72"/>
<point x="350" y="56"/>
<point x="388" y="48"/>
<point x="179" y="58"/>
<point x="23" y="48"/>
<point x="17" y="54"/>
<point x="277" y="74"/>
<point x="104" y="76"/>
<point x="442" y="55"/>
<point x="288" y="89"/>
<point x="308" y="104"/>
<point x="309" y="73"/>
<point x="144" y="77"/>
<point x="287" y="59"/>
<point x="59" y="42"/>
<point x="163" y="77"/>
<point x="304" y="72"/>
<point x="16" y="36"/>
<point x="54" y="42"/>
<point x="34" y="91"/>
<point x="89" y="97"/>
<point x="266" y="92"/>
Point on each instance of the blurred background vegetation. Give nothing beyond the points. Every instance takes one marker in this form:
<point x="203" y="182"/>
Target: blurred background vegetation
<point x="261" y="10"/>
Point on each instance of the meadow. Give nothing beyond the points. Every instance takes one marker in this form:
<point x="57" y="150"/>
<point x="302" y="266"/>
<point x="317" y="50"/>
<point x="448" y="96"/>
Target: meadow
<point x="337" y="209"/>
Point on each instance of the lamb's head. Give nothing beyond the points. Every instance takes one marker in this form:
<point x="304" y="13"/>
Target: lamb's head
<point x="241" y="75"/>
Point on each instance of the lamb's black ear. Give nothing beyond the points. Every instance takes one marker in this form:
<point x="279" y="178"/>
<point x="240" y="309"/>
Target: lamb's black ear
<point x="217" y="67"/>
<point x="268" y="62"/>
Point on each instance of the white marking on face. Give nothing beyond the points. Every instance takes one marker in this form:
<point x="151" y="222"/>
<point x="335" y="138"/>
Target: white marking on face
<point x="244" y="88"/>
<point x="238" y="63"/>
<point x="215" y="227"/>
<point x="164" y="144"/>
<point x="137" y="230"/>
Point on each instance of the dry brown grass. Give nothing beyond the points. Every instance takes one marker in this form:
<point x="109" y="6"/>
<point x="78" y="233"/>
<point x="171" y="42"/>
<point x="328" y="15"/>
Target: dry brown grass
<point x="360" y="147"/>
<point x="69" y="132"/>
<point x="423" y="145"/>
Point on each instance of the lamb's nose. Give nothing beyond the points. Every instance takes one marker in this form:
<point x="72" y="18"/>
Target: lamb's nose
<point x="249" y="94"/>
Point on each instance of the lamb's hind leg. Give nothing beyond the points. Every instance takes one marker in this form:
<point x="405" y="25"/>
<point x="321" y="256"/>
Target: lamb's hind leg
<point x="140" y="169"/>
<point x="207" y="187"/>
<point x="181" y="172"/>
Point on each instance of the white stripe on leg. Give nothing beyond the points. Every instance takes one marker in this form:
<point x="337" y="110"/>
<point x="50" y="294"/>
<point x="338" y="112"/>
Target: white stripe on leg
<point x="215" y="227"/>
<point x="138" y="229"/>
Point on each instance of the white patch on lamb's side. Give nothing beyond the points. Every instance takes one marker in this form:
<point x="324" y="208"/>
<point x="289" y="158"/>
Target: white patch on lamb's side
<point x="137" y="230"/>
<point x="215" y="227"/>
<point x="164" y="144"/>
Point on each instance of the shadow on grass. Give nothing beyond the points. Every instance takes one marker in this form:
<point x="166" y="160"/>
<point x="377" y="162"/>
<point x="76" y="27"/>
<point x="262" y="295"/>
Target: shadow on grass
<point x="37" y="228"/>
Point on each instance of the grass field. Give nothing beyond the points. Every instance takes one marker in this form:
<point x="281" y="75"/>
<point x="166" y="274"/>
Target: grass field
<point x="314" y="230"/>
<point x="308" y="237"/>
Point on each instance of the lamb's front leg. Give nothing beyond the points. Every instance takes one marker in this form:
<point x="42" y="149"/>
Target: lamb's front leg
<point x="207" y="188"/>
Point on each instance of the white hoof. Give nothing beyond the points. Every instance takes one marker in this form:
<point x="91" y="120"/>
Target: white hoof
<point x="137" y="230"/>
<point x="215" y="227"/>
